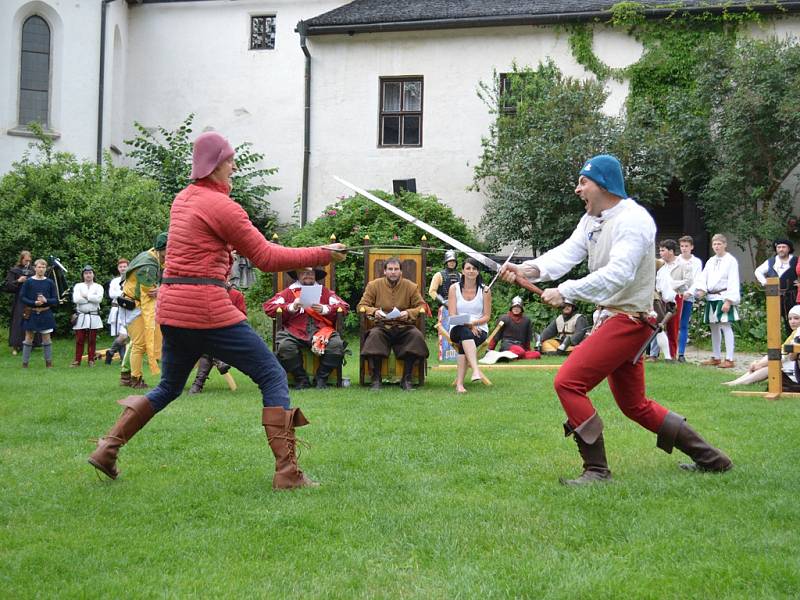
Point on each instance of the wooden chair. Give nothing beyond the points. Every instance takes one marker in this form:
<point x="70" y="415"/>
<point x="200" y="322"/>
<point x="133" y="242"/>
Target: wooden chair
<point x="413" y="263"/>
<point x="280" y="281"/>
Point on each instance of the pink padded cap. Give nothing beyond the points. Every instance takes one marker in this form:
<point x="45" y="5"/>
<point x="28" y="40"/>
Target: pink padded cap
<point x="210" y="149"/>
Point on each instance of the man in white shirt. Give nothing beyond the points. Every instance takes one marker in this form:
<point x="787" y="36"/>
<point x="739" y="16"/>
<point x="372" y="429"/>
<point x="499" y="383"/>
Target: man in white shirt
<point x="783" y="264"/>
<point x="686" y="257"/>
<point x="672" y="279"/>
<point x="617" y="236"/>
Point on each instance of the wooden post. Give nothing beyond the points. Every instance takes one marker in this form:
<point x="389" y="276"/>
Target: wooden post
<point x="773" y="294"/>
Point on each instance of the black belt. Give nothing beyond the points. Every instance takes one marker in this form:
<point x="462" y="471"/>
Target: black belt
<point x="194" y="281"/>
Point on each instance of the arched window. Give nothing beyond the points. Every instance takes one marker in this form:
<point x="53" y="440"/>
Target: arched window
<point x="34" y="80"/>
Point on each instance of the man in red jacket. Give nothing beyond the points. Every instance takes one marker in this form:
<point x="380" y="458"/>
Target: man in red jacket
<point x="312" y="327"/>
<point x="197" y="315"/>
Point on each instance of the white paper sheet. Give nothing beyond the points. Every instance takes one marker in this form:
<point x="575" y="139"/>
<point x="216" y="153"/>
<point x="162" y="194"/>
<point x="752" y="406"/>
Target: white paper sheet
<point x="393" y="314"/>
<point x="310" y="294"/>
<point x="459" y="320"/>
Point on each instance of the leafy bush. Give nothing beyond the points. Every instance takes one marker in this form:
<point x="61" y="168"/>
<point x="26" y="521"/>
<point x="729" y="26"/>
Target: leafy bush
<point x="83" y="213"/>
<point x="168" y="161"/>
<point x="351" y="219"/>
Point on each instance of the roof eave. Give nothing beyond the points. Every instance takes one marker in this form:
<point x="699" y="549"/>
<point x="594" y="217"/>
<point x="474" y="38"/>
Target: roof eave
<point x="546" y="19"/>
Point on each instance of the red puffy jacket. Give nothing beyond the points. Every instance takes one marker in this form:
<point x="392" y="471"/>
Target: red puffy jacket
<point x="204" y="226"/>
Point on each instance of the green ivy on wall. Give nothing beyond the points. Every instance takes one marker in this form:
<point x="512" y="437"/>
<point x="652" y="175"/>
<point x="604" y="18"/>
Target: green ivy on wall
<point x="670" y="47"/>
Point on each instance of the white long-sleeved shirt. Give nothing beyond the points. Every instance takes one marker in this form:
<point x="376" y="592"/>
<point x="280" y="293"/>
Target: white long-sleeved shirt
<point x="87" y="299"/>
<point x="779" y="266"/>
<point x="720" y="279"/>
<point x="697" y="268"/>
<point x="625" y="262"/>
<point x="672" y="279"/>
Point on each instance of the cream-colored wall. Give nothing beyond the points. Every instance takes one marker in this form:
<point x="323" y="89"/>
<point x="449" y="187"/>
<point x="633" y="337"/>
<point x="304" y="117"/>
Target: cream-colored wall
<point x="345" y="98"/>
<point x="193" y="58"/>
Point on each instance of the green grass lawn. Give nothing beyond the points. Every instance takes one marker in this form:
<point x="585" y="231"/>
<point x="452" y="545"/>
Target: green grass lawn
<point x="424" y="495"/>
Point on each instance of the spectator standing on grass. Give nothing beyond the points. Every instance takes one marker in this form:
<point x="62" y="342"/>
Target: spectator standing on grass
<point x="695" y="267"/>
<point x="719" y="282"/>
<point x="39" y="295"/>
<point x="117" y="316"/>
<point x="617" y="236"/>
<point x="87" y="296"/>
<point x="16" y="276"/>
<point x="783" y="265"/>
<point x="197" y="315"/>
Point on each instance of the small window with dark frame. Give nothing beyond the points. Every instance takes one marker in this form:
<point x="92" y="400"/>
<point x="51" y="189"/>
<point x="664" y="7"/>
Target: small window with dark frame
<point x="262" y="32"/>
<point x="34" y="77"/>
<point x="507" y="102"/>
<point x="400" y="118"/>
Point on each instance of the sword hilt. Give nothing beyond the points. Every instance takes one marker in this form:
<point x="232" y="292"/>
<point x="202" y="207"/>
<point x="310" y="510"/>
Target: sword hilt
<point x="524" y="283"/>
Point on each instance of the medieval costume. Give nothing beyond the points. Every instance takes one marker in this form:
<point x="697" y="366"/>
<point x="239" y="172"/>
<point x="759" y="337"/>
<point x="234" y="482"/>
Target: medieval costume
<point x="142" y="278"/>
<point x="785" y="269"/>
<point x="13" y="286"/>
<point x="398" y="335"/>
<point x="40" y="296"/>
<point x="442" y="280"/>
<point x="617" y="236"/>
<point x="87" y="297"/>
<point x="719" y="281"/>
<point x="564" y="332"/>
<point x="305" y="328"/>
<point x="197" y="315"/>
<point x="517" y="332"/>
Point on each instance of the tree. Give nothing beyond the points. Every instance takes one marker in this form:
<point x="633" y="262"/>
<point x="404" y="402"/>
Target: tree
<point x="81" y="212"/>
<point x="546" y="126"/>
<point x="740" y="134"/>
<point x="166" y="157"/>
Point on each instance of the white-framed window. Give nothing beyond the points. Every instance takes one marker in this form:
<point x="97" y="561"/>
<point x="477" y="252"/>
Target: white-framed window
<point x="400" y="112"/>
<point x="34" y="72"/>
<point x="262" y="32"/>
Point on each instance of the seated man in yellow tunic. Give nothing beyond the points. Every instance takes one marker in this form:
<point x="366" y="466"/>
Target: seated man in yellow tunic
<point x="394" y="329"/>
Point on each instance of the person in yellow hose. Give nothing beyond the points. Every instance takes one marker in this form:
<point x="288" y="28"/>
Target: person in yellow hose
<point x="141" y="286"/>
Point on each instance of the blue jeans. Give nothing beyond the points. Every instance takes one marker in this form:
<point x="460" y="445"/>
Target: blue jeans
<point x="686" y="316"/>
<point x="237" y="345"/>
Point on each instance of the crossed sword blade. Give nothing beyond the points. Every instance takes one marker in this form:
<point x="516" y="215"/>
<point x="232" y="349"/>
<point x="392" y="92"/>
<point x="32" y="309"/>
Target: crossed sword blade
<point x="481" y="258"/>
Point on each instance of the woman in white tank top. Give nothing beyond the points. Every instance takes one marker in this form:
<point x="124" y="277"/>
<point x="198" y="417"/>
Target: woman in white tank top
<point x="469" y="298"/>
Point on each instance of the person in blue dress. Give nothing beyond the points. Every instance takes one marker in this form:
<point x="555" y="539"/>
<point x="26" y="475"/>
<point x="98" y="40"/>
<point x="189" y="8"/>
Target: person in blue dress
<point x="39" y="296"/>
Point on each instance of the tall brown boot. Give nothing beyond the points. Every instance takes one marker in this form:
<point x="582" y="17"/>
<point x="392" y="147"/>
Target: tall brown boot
<point x="589" y="438"/>
<point x="137" y="413"/>
<point x="279" y="425"/>
<point x="675" y="432"/>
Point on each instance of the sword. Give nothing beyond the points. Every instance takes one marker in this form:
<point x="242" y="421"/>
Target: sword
<point x="481" y="258"/>
<point x="491" y="283"/>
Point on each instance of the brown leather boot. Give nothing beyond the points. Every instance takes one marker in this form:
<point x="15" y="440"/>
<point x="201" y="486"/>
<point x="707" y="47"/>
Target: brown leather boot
<point x="675" y="432"/>
<point x="138" y="383"/>
<point x="137" y="413"/>
<point x="279" y="425"/>
<point x="589" y="438"/>
<point x="125" y="379"/>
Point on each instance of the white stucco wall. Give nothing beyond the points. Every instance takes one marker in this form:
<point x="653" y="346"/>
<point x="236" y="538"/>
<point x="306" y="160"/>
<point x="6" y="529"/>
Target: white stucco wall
<point x="345" y="102"/>
<point x="75" y="35"/>
<point x="194" y="58"/>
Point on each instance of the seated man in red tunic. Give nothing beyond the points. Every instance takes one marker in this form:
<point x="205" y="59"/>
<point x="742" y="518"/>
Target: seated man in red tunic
<point x="312" y="327"/>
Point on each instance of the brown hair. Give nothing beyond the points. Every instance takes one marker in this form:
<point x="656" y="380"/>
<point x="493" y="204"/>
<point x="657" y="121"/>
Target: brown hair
<point x="686" y="238"/>
<point x="23" y="254"/>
